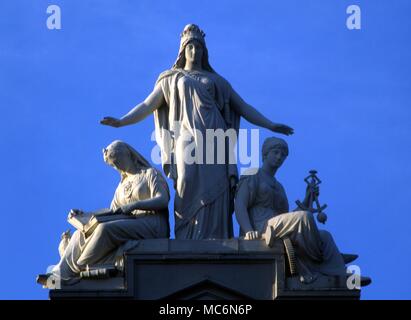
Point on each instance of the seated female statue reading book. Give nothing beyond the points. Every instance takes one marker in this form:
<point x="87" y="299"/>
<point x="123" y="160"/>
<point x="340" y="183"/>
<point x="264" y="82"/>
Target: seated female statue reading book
<point x="139" y="210"/>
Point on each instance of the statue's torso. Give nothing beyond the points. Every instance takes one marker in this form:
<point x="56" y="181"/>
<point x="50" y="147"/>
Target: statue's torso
<point x="132" y="188"/>
<point x="269" y="200"/>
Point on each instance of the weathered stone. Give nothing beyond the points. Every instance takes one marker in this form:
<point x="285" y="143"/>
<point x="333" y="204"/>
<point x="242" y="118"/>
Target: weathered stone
<point x="208" y="269"/>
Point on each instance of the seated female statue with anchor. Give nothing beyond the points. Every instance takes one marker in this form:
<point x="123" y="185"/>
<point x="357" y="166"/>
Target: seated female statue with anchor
<point x="262" y="210"/>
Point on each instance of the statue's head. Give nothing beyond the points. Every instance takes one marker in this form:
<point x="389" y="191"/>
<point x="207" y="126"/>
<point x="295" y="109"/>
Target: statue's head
<point x="274" y="151"/>
<point x="123" y="157"/>
<point x="192" y="47"/>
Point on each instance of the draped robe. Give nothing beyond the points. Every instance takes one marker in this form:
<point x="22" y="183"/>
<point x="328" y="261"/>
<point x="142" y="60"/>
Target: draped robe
<point x="194" y="103"/>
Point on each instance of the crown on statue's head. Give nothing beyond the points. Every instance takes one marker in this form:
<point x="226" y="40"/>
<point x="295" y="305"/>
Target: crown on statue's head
<point x="192" y="32"/>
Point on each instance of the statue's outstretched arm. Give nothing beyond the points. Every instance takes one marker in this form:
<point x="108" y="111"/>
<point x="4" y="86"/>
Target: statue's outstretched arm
<point x="139" y="112"/>
<point x="255" y="117"/>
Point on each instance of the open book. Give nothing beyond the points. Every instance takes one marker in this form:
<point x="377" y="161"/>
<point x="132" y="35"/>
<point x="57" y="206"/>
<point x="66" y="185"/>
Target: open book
<point x="88" y="221"/>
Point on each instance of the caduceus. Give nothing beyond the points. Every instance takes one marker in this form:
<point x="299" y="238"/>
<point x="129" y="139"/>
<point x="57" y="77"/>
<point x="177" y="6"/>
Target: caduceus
<point x="313" y="192"/>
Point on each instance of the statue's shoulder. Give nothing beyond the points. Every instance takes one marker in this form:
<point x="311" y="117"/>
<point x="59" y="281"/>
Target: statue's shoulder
<point x="166" y="74"/>
<point x="154" y="174"/>
<point x="250" y="173"/>
<point x="150" y="172"/>
<point x="219" y="78"/>
<point x="248" y="184"/>
<point x="250" y="177"/>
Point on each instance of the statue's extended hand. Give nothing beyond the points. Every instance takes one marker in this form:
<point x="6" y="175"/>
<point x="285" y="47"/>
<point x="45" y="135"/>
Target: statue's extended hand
<point x="251" y="235"/>
<point x="282" y="128"/>
<point x="110" y="121"/>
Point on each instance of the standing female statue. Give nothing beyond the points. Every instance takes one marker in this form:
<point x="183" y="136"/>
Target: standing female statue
<point x="142" y="193"/>
<point x="190" y="98"/>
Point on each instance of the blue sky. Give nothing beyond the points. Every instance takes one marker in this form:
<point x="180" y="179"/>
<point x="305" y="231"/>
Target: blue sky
<point x="346" y="93"/>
